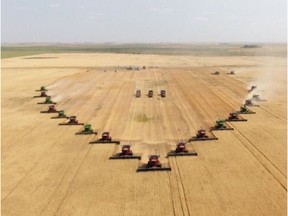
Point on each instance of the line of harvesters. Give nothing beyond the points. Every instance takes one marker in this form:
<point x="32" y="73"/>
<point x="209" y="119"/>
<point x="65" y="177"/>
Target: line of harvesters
<point x="126" y="152"/>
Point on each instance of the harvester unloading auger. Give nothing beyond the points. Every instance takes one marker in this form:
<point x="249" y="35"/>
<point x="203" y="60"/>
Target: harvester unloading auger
<point x="51" y="109"/>
<point x="126" y="153"/>
<point x="202" y="136"/>
<point x="244" y="110"/>
<point x="234" y="116"/>
<point x="42" y="88"/>
<point x="106" y="138"/>
<point x="88" y="130"/>
<point x="48" y="100"/>
<point x="181" y="150"/>
<point x="221" y="125"/>
<point x="72" y="121"/>
<point x="61" y="114"/>
<point x="154" y="164"/>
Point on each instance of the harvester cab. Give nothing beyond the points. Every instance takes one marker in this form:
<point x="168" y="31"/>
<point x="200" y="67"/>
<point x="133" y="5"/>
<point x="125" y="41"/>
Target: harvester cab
<point x="154" y="165"/>
<point x="61" y="114"/>
<point x="87" y="130"/>
<point x="221" y="125"/>
<point x="216" y="73"/>
<point x="105" y="138"/>
<point x="181" y="150"/>
<point x="43" y="94"/>
<point x="126" y="153"/>
<point x="72" y="121"/>
<point x="234" y="116"/>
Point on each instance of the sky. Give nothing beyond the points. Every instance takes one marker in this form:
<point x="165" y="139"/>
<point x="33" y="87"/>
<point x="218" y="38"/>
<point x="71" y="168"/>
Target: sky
<point x="143" y="21"/>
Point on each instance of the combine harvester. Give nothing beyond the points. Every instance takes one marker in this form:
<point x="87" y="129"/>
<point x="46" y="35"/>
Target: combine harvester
<point x="42" y="88"/>
<point x="51" y="109"/>
<point x="88" y="130"/>
<point x="244" y="110"/>
<point x="250" y="103"/>
<point x="154" y="164"/>
<point x="105" y="139"/>
<point x="61" y="114"/>
<point x="163" y="93"/>
<point x="221" y="125"/>
<point x="138" y="94"/>
<point x="234" y="116"/>
<point x="252" y="88"/>
<point x="47" y="101"/>
<point x="72" y="121"/>
<point x="216" y="73"/>
<point x="202" y="136"/>
<point x="126" y="153"/>
<point x="150" y="93"/>
<point x="231" y="73"/>
<point x="42" y="94"/>
<point x="181" y="150"/>
<point x="257" y="98"/>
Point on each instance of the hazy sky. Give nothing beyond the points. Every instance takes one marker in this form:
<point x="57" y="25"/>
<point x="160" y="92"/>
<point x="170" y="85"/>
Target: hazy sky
<point x="144" y="21"/>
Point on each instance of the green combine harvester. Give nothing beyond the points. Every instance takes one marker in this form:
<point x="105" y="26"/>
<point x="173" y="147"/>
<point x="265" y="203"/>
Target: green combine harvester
<point x="47" y="101"/>
<point x="61" y="114"/>
<point x="221" y="125"/>
<point x="87" y="130"/>
<point x="244" y="110"/>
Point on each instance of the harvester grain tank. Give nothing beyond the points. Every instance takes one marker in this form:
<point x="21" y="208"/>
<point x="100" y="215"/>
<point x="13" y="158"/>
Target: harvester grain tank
<point x="72" y="121"/>
<point x="105" y="138"/>
<point x="202" y="136"/>
<point x="88" y="130"/>
<point x="154" y="164"/>
<point x="181" y="150"/>
<point x="126" y="153"/>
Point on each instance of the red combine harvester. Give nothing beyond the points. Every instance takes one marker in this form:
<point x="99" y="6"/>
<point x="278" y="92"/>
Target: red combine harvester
<point x="126" y="153"/>
<point x="150" y="93"/>
<point x="234" y="116"/>
<point x="163" y="93"/>
<point x="154" y="165"/>
<point x="202" y="136"/>
<point x="250" y="103"/>
<point x="181" y="150"/>
<point x="51" y="109"/>
<point x="106" y="138"/>
<point x="72" y="121"/>
<point x="138" y="94"/>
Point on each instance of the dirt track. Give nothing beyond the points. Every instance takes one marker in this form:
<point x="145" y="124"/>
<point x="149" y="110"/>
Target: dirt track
<point x="47" y="170"/>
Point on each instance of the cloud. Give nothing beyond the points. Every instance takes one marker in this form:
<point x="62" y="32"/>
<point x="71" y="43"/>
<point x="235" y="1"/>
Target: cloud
<point x="95" y="16"/>
<point x="210" y="12"/>
<point x="21" y="8"/>
<point x="200" y="18"/>
<point x="161" y="10"/>
<point x="54" y="5"/>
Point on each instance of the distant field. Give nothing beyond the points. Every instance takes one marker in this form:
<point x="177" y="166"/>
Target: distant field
<point x="10" y="51"/>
